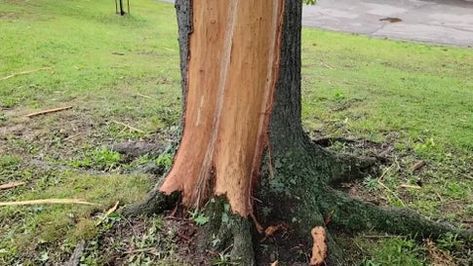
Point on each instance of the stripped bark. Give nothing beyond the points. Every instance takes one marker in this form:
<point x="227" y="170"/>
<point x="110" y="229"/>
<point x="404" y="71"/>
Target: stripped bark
<point x="231" y="77"/>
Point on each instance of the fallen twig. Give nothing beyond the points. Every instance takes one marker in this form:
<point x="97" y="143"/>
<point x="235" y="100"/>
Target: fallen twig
<point x="410" y="186"/>
<point x="46" y="201"/>
<point x="11" y="185"/>
<point x="147" y="250"/>
<point x="110" y="211"/>
<point x="24" y="73"/>
<point x="392" y="193"/>
<point x="145" y="96"/>
<point x="128" y="126"/>
<point x="48" y="111"/>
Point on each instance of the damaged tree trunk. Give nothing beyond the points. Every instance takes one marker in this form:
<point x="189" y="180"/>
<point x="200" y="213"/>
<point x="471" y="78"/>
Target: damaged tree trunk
<point x="243" y="140"/>
<point x="231" y="76"/>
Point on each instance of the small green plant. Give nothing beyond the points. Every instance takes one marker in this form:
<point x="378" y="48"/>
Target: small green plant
<point x="103" y="159"/>
<point x="164" y="160"/>
<point x="450" y="242"/>
<point x="370" y="183"/>
<point x="395" y="251"/>
<point x="198" y="217"/>
<point x="224" y="259"/>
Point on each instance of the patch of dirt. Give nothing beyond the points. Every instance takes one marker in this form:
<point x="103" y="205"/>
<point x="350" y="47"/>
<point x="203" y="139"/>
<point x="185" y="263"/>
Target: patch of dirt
<point x="172" y="242"/>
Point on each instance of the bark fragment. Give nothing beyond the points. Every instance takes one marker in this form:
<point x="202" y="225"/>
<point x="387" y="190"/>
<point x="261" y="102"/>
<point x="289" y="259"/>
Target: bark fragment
<point x="319" y="248"/>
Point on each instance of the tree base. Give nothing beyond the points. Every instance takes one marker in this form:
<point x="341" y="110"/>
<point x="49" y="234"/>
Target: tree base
<point x="293" y="198"/>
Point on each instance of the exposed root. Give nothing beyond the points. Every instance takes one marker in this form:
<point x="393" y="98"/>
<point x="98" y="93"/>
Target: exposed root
<point x="346" y="167"/>
<point x="354" y="215"/>
<point x="154" y="203"/>
<point x="329" y="141"/>
<point x="242" y="251"/>
<point x="134" y="149"/>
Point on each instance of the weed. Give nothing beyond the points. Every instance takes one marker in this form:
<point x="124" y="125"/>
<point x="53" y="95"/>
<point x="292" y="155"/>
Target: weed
<point x="198" y="217"/>
<point x="103" y="159"/>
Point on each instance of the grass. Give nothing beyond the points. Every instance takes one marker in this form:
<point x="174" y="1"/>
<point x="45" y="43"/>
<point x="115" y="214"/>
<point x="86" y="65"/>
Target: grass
<point x="117" y="71"/>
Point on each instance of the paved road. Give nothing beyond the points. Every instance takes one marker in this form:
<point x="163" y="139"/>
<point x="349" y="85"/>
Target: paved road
<point x="434" y="21"/>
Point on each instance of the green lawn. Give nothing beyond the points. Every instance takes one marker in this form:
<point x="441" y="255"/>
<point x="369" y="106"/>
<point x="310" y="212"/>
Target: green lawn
<point x="115" y="71"/>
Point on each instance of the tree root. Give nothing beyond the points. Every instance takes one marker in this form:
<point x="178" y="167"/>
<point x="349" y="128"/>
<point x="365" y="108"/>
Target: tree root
<point x="154" y="203"/>
<point x="134" y="149"/>
<point x="346" y="167"/>
<point x="242" y="250"/>
<point x="227" y="231"/>
<point x="354" y="215"/>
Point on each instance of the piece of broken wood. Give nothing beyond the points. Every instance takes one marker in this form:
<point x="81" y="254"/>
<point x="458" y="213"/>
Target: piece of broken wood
<point x="54" y="110"/>
<point x="24" y="73"/>
<point x="46" y="201"/>
<point x="319" y="248"/>
<point x="410" y="186"/>
<point x="128" y="126"/>
<point x="145" y="96"/>
<point x="417" y="166"/>
<point x="11" y="185"/>
<point x="272" y="229"/>
<point x="110" y="211"/>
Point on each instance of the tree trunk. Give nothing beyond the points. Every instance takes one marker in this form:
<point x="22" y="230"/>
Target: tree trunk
<point x="243" y="140"/>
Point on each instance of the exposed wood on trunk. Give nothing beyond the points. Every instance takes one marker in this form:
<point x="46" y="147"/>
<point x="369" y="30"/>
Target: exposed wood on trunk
<point x="233" y="67"/>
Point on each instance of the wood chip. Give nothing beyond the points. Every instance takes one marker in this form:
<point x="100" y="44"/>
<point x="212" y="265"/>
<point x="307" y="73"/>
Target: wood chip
<point x="110" y="211"/>
<point x="272" y="229"/>
<point x="24" y="73"/>
<point x="11" y="185"/>
<point x="46" y="201"/>
<point x="49" y="111"/>
<point x="319" y="248"/>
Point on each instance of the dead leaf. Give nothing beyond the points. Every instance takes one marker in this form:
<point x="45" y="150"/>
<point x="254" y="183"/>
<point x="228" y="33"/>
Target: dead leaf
<point x="272" y="229"/>
<point x="276" y="263"/>
<point x="438" y="256"/>
<point x="11" y="185"/>
<point x="319" y="249"/>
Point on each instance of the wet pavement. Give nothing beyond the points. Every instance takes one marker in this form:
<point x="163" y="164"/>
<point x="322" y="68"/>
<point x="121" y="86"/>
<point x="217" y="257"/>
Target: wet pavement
<point x="443" y="22"/>
<point x="433" y="21"/>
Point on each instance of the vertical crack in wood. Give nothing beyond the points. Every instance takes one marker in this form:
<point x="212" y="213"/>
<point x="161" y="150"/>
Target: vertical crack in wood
<point x="204" y="173"/>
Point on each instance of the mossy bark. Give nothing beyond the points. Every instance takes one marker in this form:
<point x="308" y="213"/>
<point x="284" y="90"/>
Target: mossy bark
<point x="296" y="175"/>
